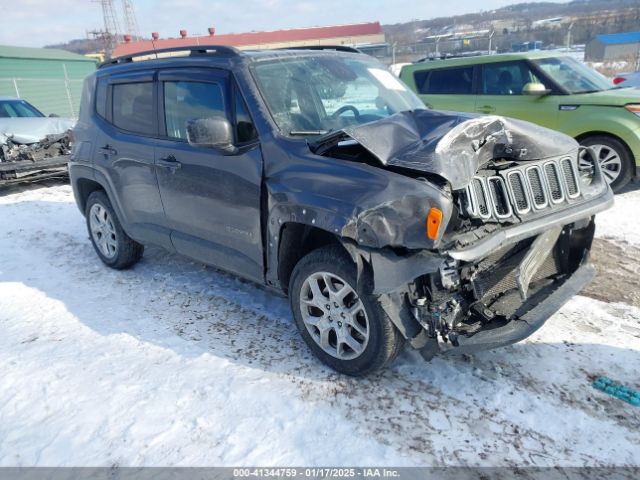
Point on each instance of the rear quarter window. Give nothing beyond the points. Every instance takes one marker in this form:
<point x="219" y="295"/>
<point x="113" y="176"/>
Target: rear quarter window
<point x="101" y="97"/>
<point x="445" y="81"/>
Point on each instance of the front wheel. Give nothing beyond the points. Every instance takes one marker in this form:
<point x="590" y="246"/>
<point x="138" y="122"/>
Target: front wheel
<point x="343" y="325"/>
<point x="615" y="160"/>
<point x="114" y="247"/>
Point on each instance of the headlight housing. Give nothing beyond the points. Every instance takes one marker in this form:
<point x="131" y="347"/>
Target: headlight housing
<point x="591" y="180"/>
<point x="633" y="108"/>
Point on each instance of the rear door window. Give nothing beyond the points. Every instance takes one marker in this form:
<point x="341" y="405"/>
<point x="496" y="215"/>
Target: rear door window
<point x="133" y="107"/>
<point x="445" y="81"/>
<point x="186" y="100"/>
<point x="506" y="78"/>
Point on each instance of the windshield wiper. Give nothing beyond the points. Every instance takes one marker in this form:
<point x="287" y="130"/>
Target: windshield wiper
<point x="308" y="132"/>
<point x="324" y="142"/>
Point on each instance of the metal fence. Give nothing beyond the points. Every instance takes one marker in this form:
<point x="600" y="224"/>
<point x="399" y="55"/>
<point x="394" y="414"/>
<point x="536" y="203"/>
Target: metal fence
<point x="49" y="95"/>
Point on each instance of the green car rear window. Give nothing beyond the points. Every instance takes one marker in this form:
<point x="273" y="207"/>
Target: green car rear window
<point x="446" y="81"/>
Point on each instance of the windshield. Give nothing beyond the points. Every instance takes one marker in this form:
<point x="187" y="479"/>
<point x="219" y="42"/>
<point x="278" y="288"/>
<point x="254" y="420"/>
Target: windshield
<point x="312" y="95"/>
<point x="572" y="75"/>
<point x="17" y="108"/>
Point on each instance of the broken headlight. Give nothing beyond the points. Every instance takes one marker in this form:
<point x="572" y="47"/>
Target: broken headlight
<point x="589" y="172"/>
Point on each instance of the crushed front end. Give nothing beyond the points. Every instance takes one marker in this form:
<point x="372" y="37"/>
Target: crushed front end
<point x="520" y="202"/>
<point x="516" y="250"/>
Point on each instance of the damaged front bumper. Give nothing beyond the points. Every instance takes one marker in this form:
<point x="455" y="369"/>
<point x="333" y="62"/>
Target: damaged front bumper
<point x="482" y="296"/>
<point x="521" y="327"/>
<point x="28" y="171"/>
<point x="35" y="161"/>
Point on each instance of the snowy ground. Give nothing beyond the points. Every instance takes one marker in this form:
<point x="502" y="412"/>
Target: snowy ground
<point x="174" y="363"/>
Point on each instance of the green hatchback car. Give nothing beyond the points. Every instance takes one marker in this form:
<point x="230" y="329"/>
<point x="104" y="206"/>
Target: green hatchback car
<point x="555" y="91"/>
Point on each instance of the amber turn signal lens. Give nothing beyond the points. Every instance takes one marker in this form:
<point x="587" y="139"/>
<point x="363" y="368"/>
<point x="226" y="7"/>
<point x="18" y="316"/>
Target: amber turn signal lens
<point x="434" y="219"/>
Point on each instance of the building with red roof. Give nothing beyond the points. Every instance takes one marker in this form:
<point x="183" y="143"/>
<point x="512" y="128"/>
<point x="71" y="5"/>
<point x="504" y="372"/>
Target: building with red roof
<point x="350" y="35"/>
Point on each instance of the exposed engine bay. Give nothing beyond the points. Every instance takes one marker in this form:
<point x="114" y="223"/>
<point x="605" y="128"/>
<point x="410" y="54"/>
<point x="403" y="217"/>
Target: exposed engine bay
<point x="20" y="162"/>
<point x="51" y="146"/>
<point x="463" y="299"/>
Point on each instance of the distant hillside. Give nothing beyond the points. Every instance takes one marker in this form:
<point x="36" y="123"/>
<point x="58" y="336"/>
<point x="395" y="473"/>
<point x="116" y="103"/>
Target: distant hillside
<point x="81" y="46"/>
<point x="524" y="12"/>
<point x="547" y="22"/>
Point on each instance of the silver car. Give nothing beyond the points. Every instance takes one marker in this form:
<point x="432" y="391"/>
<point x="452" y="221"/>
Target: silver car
<point x="32" y="146"/>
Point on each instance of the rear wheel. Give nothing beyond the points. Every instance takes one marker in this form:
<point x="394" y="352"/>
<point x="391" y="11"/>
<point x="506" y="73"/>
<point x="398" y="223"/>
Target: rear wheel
<point x="343" y="325"/>
<point x="615" y="160"/>
<point x="114" y="247"/>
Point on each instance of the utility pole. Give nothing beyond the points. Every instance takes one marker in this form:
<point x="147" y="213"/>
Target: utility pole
<point x="493" y="32"/>
<point x="569" y="36"/>
<point x="130" y="21"/>
<point x="111" y="32"/>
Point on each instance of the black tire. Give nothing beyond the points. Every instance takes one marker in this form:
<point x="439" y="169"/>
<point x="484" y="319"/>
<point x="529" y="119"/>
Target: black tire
<point x="128" y="252"/>
<point x="627" y="165"/>
<point x="384" y="342"/>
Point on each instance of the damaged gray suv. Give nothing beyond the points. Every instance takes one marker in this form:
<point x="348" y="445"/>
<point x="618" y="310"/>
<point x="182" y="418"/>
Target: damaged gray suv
<point x="319" y="175"/>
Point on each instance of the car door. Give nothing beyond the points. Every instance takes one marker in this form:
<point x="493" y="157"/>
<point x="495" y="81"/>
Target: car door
<point x="501" y="93"/>
<point x="450" y="88"/>
<point x="125" y="152"/>
<point x="211" y="199"/>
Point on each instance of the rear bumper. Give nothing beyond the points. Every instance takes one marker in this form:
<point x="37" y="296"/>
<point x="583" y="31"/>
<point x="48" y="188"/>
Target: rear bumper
<point x="522" y="327"/>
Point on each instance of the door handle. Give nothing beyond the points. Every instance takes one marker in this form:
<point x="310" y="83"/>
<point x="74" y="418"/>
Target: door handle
<point x="108" y="151"/>
<point x="486" y="109"/>
<point x="169" y="162"/>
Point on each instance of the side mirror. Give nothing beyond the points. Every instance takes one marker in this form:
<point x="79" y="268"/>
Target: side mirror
<point x="213" y="132"/>
<point x="54" y="115"/>
<point x="535" y="89"/>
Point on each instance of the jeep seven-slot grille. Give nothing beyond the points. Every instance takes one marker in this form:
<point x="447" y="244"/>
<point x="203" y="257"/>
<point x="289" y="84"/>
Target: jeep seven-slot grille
<point x="553" y="180"/>
<point x="534" y="176"/>
<point x="521" y="190"/>
<point x="570" y="177"/>
<point x="520" y="197"/>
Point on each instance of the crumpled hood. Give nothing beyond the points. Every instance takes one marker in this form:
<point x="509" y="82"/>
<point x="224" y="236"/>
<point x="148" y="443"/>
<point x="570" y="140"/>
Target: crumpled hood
<point x="27" y="130"/>
<point x="455" y="145"/>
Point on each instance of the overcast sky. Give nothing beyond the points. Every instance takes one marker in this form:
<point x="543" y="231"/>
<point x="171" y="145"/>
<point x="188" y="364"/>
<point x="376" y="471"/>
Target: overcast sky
<point x="36" y="23"/>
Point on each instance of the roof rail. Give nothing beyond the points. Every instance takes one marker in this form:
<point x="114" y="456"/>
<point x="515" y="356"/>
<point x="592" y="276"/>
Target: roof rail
<point x="337" y="48"/>
<point x="194" y="50"/>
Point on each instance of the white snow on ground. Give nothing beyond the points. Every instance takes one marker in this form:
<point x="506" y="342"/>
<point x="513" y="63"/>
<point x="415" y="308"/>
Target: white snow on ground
<point x="622" y="223"/>
<point x="174" y="363"/>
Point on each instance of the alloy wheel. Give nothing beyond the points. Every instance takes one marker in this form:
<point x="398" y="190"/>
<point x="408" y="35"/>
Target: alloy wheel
<point x="334" y="315"/>
<point x="103" y="231"/>
<point x="609" y="159"/>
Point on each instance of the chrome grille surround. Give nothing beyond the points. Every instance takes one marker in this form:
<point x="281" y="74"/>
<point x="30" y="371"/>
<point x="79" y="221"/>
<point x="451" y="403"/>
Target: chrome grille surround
<point x="554" y="182"/>
<point x="522" y="190"/>
<point x="537" y="189"/>
<point x="570" y="174"/>
<point x="478" y="201"/>
<point x="519" y="192"/>
<point x="499" y="197"/>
